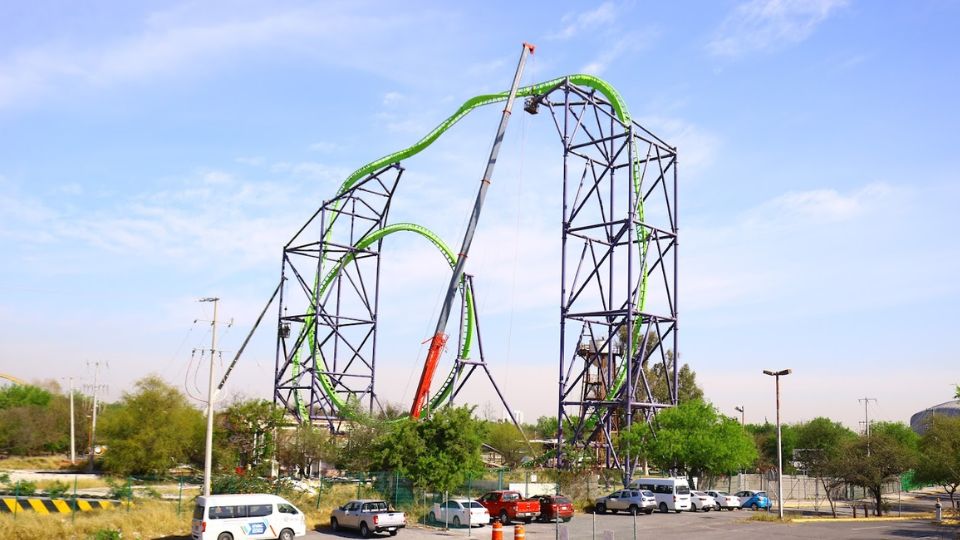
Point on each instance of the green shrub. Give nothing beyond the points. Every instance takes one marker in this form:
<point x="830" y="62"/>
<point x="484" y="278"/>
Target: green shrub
<point x="58" y="489"/>
<point x="23" y="487"/>
<point x="106" y="534"/>
<point x="120" y="490"/>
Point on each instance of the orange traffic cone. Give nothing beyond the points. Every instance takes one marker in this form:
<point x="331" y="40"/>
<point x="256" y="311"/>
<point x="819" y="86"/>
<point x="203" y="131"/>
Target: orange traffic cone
<point x="497" y="533"/>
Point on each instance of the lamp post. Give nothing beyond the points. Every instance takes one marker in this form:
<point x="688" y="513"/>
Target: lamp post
<point x="777" y="375"/>
<point x="743" y="417"/>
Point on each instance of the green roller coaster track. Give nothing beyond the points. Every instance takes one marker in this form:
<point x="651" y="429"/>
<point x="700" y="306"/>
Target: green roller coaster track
<point x="321" y="285"/>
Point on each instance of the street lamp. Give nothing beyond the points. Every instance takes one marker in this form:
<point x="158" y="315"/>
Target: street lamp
<point x="743" y="417"/>
<point x="777" y="374"/>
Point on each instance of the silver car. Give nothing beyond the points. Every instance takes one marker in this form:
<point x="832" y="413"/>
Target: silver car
<point x="629" y="500"/>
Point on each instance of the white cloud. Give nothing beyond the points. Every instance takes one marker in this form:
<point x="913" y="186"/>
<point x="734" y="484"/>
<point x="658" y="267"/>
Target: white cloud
<point x="577" y="23"/>
<point x="697" y="147"/>
<point x="760" y="25"/>
<point x="820" y="206"/>
<point x="392" y="98"/>
<point x="325" y="147"/>
<point x="188" y="40"/>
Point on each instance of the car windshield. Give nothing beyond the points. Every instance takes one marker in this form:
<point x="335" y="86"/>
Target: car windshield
<point x="761" y="494"/>
<point x="722" y="493"/>
<point x="563" y="500"/>
<point x="647" y="493"/>
<point x="379" y="506"/>
<point x="683" y="490"/>
<point x="475" y="504"/>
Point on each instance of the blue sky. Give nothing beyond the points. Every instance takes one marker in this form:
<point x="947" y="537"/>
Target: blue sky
<point x="154" y="153"/>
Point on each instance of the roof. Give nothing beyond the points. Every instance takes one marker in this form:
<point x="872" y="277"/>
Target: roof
<point x="239" y="497"/>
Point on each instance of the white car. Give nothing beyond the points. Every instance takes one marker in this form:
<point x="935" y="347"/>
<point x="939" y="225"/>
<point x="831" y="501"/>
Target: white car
<point x="460" y="512"/>
<point x="701" y="501"/>
<point x="722" y="500"/>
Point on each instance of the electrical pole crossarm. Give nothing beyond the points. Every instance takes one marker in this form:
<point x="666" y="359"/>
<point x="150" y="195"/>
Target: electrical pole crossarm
<point x="439" y="339"/>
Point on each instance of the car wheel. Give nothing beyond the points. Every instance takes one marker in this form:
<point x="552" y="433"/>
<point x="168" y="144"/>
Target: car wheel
<point x="504" y="518"/>
<point x="393" y="533"/>
<point x="754" y="507"/>
<point x="566" y="520"/>
<point x="225" y="536"/>
<point x="432" y="518"/>
<point x="663" y="508"/>
<point x="364" y="530"/>
<point x="601" y="508"/>
<point x="693" y="508"/>
<point x="648" y="511"/>
<point x="286" y="534"/>
<point x="634" y="510"/>
<point x="456" y="521"/>
<point x="334" y="524"/>
<point x="527" y="520"/>
<point x="718" y="507"/>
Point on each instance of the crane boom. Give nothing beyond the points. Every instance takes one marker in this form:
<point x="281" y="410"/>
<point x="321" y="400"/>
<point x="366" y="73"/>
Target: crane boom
<point x="439" y="338"/>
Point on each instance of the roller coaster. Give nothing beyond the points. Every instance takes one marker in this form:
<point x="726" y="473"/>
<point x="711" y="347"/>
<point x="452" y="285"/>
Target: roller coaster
<point x="618" y="290"/>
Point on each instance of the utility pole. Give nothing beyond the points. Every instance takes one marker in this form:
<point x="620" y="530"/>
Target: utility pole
<point x="866" y="418"/>
<point x="73" y="436"/>
<point x="743" y="418"/>
<point x="208" y="452"/>
<point x="95" y="389"/>
<point x="777" y="375"/>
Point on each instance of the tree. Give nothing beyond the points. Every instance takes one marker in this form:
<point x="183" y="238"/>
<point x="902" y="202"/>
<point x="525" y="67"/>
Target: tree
<point x="34" y="427"/>
<point x="765" y="439"/>
<point x="956" y="394"/>
<point x="303" y="446"/>
<point x="939" y="461"/>
<point x="656" y="365"/>
<point x="818" y="444"/>
<point x="440" y="452"/>
<point x="509" y="441"/>
<point x="21" y="395"/>
<point x="692" y="438"/>
<point x="247" y="429"/>
<point x="151" y="429"/>
<point x="869" y="462"/>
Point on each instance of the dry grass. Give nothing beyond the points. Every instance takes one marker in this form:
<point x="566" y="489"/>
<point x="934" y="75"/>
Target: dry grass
<point x="146" y="519"/>
<point x="772" y="517"/>
<point x="45" y="463"/>
<point x="82" y="483"/>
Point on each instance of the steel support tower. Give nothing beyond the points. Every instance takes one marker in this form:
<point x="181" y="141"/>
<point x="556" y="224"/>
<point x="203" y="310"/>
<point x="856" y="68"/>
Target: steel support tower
<point x="618" y="291"/>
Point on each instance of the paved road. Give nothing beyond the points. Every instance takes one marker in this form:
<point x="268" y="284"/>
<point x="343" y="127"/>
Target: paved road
<point x="686" y="526"/>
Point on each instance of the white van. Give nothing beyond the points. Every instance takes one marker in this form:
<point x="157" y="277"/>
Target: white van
<point x="246" y="516"/>
<point x="671" y="493"/>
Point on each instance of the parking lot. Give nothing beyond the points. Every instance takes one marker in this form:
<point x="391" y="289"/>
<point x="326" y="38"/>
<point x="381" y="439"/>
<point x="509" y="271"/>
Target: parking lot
<point x="685" y="525"/>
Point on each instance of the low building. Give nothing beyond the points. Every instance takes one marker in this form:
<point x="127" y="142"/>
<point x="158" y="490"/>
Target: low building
<point x="918" y="422"/>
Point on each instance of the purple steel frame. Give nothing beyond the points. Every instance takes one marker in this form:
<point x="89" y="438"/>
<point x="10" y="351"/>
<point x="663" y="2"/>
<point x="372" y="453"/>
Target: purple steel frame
<point x="621" y="282"/>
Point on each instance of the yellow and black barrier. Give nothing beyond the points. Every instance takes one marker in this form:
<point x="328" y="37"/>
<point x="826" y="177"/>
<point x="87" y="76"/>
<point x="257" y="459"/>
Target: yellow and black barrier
<point x="46" y="505"/>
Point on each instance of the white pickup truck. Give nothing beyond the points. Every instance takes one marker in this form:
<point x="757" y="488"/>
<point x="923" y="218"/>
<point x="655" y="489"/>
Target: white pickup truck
<point x="368" y="516"/>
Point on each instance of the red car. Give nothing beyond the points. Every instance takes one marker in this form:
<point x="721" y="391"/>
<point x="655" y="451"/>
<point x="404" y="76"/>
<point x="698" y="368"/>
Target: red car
<point x="510" y="506"/>
<point x="554" y="507"/>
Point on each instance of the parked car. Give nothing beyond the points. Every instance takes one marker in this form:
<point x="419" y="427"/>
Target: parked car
<point x="754" y="500"/>
<point x="629" y="500"/>
<point x="554" y="507"/>
<point x="701" y="501"/>
<point x="368" y="516"/>
<point x="724" y="500"/>
<point x="510" y="506"/>
<point x="458" y="512"/>
<point x="671" y="493"/>
<point x="216" y="517"/>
